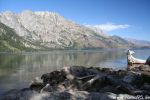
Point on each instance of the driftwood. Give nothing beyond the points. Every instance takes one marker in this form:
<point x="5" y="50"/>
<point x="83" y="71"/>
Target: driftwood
<point x="85" y="77"/>
<point x="137" y="64"/>
<point x="132" y="60"/>
<point x="90" y="82"/>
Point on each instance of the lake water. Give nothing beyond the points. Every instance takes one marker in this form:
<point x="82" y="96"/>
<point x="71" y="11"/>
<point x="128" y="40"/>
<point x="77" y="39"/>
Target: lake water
<point x="18" y="69"/>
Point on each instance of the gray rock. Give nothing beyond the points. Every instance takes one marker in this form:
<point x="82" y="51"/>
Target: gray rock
<point x="144" y="68"/>
<point x="148" y="61"/>
<point x="81" y="83"/>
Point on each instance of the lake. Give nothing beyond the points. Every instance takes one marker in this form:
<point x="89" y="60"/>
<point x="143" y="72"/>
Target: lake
<point x="18" y="69"/>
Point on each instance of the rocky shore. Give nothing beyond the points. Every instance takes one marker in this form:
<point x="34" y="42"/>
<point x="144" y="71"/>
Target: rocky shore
<point x="82" y="83"/>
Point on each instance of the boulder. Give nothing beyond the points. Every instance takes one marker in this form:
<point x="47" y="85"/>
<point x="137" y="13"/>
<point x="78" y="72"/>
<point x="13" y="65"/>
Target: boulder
<point x="148" y="61"/>
<point x="79" y="82"/>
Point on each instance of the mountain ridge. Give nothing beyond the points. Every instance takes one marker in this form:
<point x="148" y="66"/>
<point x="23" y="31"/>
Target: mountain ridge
<point x="144" y="43"/>
<point x="49" y="30"/>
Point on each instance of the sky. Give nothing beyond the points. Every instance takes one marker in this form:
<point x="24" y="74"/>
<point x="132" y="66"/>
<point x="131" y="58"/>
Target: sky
<point x="125" y="18"/>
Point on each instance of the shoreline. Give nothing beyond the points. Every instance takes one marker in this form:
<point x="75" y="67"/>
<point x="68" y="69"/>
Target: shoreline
<point x="79" y="50"/>
<point x="82" y="82"/>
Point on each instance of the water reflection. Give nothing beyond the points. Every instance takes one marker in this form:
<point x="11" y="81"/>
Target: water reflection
<point x="17" y="70"/>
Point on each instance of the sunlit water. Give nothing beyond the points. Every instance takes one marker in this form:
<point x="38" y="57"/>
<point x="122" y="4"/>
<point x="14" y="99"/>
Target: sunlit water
<point x="18" y="69"/>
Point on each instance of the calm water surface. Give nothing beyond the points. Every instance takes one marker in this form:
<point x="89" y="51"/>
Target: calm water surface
<point x="18" y="69"/>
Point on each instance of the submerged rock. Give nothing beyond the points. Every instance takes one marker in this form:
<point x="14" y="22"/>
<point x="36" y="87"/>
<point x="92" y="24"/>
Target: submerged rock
<point x="23" y="94"/>
<point x="78" y="82"/>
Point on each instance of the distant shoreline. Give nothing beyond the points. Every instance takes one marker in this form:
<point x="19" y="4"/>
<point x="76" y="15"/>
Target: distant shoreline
<point x="89" y="49"/>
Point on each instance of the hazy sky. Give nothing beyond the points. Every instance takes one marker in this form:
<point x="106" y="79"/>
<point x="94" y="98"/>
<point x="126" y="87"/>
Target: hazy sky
<point x="126" y="18"/>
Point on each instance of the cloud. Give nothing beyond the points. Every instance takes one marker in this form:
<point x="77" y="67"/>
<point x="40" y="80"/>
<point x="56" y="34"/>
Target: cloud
<point x="109" y="26"/>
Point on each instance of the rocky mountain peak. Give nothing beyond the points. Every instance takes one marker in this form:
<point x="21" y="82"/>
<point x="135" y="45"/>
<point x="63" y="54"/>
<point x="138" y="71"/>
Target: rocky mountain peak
<point x="49" y="30"/>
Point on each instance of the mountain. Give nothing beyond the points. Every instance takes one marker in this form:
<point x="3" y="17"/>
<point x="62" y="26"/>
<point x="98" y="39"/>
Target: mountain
<point x="97" y="30"/>
<point x="10" y="41"/>
<point x="49" y="30"/>
<point x="139" y="43"/>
